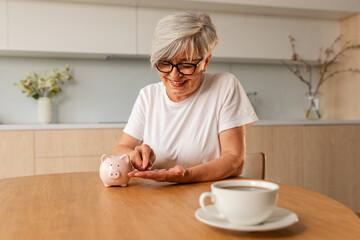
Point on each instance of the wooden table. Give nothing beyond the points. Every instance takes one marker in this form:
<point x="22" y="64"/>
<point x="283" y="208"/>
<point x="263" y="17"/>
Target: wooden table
<point x="78" y="206"/>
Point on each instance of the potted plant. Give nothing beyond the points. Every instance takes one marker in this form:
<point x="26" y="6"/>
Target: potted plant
<point x="44" y="88"/>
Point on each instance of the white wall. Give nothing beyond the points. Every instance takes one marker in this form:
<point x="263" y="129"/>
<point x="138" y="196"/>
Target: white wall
<point x="104" y="91"/>
<point x="279" y="93"/>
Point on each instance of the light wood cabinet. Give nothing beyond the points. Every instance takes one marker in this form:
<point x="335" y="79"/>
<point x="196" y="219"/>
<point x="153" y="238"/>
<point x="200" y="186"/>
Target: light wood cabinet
<point x="3" y="24"/>
<point x="66" y="164"/>
<point x="72" y="150"/>
<point x="322" y="158"/>
<point x="71" y="27"/>
<point x="282" y="149"/>
<point x="325" y="159"/>
<point x="75" y="143"/>
<point x="16" y="153"/>
<point x="331" y="157"/>
<point x="54" y="151"/>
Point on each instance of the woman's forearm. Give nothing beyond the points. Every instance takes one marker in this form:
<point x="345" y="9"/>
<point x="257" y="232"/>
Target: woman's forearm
<point x="225" y="166"/>
<point x="121" y="149"/>
<point x="125" y="145"/>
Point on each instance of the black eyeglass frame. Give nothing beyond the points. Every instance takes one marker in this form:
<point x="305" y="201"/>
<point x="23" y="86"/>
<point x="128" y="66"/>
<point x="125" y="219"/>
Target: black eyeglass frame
<point x="177" y="68"/>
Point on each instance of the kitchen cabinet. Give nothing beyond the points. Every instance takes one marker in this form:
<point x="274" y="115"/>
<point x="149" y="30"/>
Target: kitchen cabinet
<point x="231" y="44"/>
<point x="16" y="153"/>
<point x="28" y="152"/>
<point x="48" y="26"/>
<point x="251" y="37"/>
<point x="147" y="18"/>
<point x="232" y="39"/>
<point x="46" y="165"/>
<point x="331" y="157"/>
<point x="324" y="159"/>
<point x="325" y="9"/>
<point x="52" y="28"/>
<point x="72" y="150"/>
<point x="71" y="143"/>
<point x="3" y="24"/>
<point x="267" y="36"/>
<point x="282" y="150"/>
<point x="231" y="31"/>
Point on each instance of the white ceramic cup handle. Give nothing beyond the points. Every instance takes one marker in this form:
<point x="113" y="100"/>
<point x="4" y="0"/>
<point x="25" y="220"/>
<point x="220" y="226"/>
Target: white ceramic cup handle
<point x="202" y="198"/>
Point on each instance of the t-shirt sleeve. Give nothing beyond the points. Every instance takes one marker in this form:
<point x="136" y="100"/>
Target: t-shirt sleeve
<point x="236" y="109"/>
<point x="136" y="123"/>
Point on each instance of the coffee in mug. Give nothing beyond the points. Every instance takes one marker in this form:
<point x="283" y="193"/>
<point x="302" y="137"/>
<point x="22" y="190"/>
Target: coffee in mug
<point x="243" y="202"/>
<point x="246" y="188"/>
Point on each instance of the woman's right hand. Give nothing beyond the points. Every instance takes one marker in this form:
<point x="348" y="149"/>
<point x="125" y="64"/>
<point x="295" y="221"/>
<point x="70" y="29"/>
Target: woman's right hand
<point x="142" y="158"/>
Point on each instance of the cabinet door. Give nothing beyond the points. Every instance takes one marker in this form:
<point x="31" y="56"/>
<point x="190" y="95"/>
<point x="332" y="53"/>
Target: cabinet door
<point x="267" y="36"/>
<point x="71" y="27"/>
<point x="147" y="18"/>
<point x="332" y="162"/>
<point x="230" y="28"/>
<point x="75" y="143"/>
<point x="282" y="151"/>
<point x="3" y="25"/>
<point x="16" y="153"/>
<point x="66" y="164"/>
<point x="58" y="151"/>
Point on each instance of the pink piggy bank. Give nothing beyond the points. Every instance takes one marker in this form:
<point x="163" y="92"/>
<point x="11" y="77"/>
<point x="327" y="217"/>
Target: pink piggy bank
<point x="114" y="170"/>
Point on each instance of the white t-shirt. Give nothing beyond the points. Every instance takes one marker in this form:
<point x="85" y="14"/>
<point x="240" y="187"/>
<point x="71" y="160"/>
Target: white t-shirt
<point x="186" y="133"/>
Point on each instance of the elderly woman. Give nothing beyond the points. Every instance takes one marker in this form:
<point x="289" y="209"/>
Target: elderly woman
<point x="191" y="125"/>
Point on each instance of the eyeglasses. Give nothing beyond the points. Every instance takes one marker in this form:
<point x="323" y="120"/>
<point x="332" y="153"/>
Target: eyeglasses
<point x="183" y="68"/>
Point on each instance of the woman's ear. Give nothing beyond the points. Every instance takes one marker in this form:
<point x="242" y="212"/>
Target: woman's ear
<point x="207" y="60"/>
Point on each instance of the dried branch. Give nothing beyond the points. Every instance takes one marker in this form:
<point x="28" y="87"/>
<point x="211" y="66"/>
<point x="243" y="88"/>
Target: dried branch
<point x="296" y="72"/>
<point x="326" y="58"/>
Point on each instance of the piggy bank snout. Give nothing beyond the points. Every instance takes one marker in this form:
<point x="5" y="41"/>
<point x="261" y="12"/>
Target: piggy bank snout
<point x="114" y="174"/>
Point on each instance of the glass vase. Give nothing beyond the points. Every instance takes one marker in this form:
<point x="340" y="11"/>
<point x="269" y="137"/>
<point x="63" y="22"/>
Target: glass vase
<point x="312" y="106"/>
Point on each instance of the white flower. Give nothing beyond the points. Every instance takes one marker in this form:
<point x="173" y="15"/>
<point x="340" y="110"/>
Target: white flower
<point x="46" y="86"/>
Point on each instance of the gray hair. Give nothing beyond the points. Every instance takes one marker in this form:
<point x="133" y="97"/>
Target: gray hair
<point x="191" y="33"/>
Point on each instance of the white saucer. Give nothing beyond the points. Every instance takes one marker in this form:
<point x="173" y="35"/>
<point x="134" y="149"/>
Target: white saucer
<point x="280" y="218"/>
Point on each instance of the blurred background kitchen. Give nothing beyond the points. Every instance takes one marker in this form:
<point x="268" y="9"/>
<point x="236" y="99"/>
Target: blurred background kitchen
<point x="253" y="39"/>
<point x="107" y="44"/>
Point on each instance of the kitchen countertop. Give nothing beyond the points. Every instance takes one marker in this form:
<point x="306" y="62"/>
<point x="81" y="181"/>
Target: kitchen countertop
<point x="57" y="126"/>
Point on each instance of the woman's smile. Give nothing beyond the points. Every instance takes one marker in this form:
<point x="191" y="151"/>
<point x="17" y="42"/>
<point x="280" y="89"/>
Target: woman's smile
<point x="178" y="83"/>
<point x="178" y="88"/>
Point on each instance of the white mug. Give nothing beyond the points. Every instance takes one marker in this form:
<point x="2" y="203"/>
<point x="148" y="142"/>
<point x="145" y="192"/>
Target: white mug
<point x="242" y="202"/>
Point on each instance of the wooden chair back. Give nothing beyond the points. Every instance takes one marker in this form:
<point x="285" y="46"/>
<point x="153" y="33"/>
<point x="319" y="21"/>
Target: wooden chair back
<point x="254" y="166"/>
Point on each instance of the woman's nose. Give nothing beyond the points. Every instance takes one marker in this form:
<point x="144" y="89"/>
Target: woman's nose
<point x="174" y="73"/>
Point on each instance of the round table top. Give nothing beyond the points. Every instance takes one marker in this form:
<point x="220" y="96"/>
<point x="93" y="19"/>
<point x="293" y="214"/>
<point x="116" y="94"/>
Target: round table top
<point x="78" y="206"/>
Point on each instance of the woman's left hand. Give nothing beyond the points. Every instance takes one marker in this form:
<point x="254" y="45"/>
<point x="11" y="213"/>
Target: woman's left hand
<point x="175" y="174"/>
